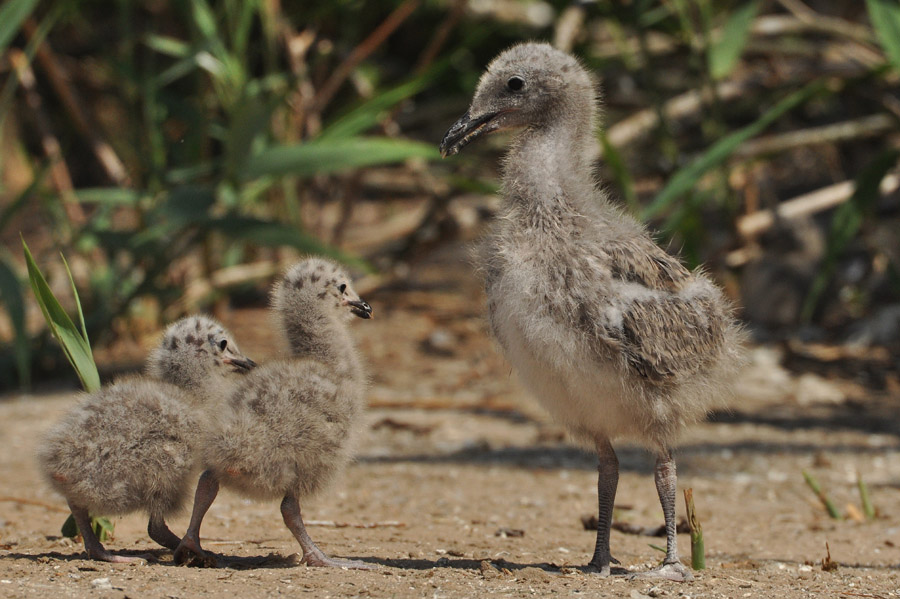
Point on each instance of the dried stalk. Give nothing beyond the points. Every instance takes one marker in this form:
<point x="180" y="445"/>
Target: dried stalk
<point x="104" y="152"/>
<point x="684" y="105"/>
<point x="569" y="25"/>
<point x="361" y="52"/>
<point x="698" y="552"/>
<point x="819" y="22"/>
<point x="866" y="126"/>
<point x="440" y="36"/>
<point x="752" y="225"/>
<point x="59" y="171"/>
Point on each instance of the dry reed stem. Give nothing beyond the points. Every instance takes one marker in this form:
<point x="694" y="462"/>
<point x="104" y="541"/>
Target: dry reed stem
<point x="104" y="152"/>
<point x="361" y="52"/>
<point x="752" y="225"/>
<point x="59" y="170"/>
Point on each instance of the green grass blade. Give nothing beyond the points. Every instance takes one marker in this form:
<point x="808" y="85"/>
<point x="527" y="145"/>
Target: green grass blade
<point x="865" y="499"/>
<point x="885" y="17"/>
<point x="168" y="46"/>
<point x="11" y="296"/>
<point x="367" y="115"/>
<point x="826" y="501"/>
<point x="103" y="528"/>
<point x="77" y="301"/>
<point x="74" y="345"/>
<point x="249" y="118"/>
<point x="12" y="14"/>
<point x="724" y="53"/>
<point x="108" y="196"/>
<point x="334" y="155"/>
<point x="687" y="177"/>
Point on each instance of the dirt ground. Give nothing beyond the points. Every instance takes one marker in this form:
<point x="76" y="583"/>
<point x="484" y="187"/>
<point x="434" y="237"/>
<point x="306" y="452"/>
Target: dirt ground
<point x="464" y="488"/>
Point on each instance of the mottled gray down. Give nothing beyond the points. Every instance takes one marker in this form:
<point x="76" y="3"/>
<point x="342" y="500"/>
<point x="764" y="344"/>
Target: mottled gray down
<point x="293" y="422"/>
<point x="613" y="335"/>
<point x="135" y="445"/>
<point x="290" y="428"/>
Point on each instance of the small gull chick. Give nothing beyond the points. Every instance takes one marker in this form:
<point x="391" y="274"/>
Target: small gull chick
<point x="135" y="444"/>
<point x="612" y="334"/>
<point x="293" y="421"/>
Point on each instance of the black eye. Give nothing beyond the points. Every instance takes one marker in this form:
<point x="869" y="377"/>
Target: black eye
<point x="343" y="287"/>
<point x="223" y="344"/>
<point x="515" y="84"/>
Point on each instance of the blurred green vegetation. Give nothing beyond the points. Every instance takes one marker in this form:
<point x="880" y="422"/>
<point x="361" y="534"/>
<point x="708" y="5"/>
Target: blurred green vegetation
<point x="159" y="143"/>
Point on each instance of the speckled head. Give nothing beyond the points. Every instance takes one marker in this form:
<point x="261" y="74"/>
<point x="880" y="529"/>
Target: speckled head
<point x="321" y="285"/>
<point x="195" y="350"/>
<point x="527" y="85"/>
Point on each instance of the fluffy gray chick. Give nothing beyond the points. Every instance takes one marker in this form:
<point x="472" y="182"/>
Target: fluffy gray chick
<point x="134" y="445"/>
<point x="293" y="421"/>
<point x="614" y="336"/>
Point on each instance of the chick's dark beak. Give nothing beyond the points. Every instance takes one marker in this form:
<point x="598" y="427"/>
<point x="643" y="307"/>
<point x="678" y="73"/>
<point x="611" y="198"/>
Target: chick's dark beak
<point x="240" y="364"/>
<point x="360" y="308"/>
<point x="465" y="130"/>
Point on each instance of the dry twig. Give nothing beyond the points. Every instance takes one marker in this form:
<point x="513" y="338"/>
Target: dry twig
<point x="35" y="502"/>
<point x="807" y="204"/>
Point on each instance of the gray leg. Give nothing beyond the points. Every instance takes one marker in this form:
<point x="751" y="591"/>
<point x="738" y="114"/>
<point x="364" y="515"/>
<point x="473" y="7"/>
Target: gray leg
<point x="207" y="489"/>
<point x="92" y="544"/>
<point x="607" y="482"/>
<point x="666" y="484"/>
<point x="160" y="533"/>
<point x="312" y="555"/>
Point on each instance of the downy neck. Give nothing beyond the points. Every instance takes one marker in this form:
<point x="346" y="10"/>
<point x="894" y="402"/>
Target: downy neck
<point x="312" y="334"/>
<point x="551" y="163"/>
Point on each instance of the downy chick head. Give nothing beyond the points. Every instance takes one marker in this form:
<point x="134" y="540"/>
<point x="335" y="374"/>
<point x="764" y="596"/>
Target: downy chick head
<point x="320" y="287"/>
<point x="528" y="85"/>
<point x="196" y="352"/>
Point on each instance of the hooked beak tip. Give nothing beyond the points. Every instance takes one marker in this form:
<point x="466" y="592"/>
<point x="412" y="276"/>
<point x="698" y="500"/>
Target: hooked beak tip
<point x="361" y="309"/>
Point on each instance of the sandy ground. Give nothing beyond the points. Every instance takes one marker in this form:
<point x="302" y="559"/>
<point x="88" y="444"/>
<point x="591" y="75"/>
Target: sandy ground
<point x="463" y="488"/>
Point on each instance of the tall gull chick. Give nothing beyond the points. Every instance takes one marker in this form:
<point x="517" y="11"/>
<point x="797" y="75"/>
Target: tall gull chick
<point x="293" y="422"/>
<point x="135" y="444"/>
<point x="613" y="335"/>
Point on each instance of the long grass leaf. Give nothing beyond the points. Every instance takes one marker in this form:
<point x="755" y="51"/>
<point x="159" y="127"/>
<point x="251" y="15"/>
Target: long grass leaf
<point x="168" y="46"/>
<point x="687" y="177"/>
<point x="108" y="196"/>
<point x="249" y="118"/>
<point x="885" y="17"/>
<point x="724" y="53"/>
<point x="12" y="298"/>
<point x="12" y="14"/>
<point x="74" y="345"/>
<point x="84" y="332"/>
<point x="367" y="115"/>
<point x="334" y="155"/>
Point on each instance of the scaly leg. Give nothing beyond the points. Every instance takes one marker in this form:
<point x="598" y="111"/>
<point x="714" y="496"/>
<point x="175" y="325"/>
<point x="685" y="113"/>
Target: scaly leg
<point x="92" y="544"/>
<point x="607" y="483"/>
<point x="312" y="555"/>
<point x="666" y="484"/>
<point x="207" y="489"/>
<point x="160" y="533"/>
